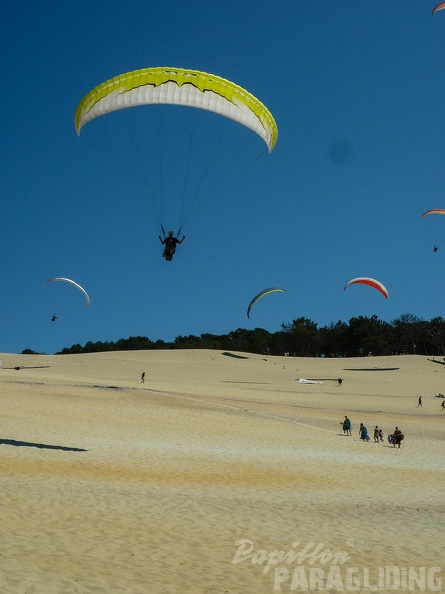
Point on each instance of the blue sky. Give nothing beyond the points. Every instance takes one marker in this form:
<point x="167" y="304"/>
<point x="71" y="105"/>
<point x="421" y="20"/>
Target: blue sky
<point x="356" y="90"/>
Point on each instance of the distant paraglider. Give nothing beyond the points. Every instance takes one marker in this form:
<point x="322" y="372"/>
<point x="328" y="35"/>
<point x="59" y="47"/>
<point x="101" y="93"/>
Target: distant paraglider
<point x="440" y="6"/>
<point x="435" y="211"/>
<point x="170" y="243"/>
<point x="71" y="282"/>
<point x="363" y="280"/>
<point x="265" y="292"/>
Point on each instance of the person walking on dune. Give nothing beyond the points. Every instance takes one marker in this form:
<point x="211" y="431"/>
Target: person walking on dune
<point x="143" y="378"/>
<point x="363" y="433"/>
<point x="397" y="437"/>
<point x="347" y="426"/>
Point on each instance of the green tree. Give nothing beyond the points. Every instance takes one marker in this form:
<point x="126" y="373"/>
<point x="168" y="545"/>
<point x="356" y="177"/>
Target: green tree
<point x="300" y="337"/>
<point x="368" y="335"/>
<point x="436" y="331"/>
<point x="332" y="339"/>
<point x="407" y="334"/>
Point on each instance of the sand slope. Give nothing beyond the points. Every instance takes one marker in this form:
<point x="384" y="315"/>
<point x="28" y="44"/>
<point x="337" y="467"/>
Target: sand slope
<point x="113" y="486"/>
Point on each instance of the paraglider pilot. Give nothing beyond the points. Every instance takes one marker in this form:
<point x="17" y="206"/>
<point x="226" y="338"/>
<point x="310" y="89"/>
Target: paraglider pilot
<point x="54" y="318"/>
<point x="170" y="243"/>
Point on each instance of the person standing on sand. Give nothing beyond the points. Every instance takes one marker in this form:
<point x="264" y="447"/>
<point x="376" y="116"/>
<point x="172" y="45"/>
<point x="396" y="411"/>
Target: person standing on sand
<point x="143" y="377"/>
<point x="376" y="434"/>
<point x="347" y="426"/>
<point x="397" y="437"/>
<point x="419" y="402"/>
<point x="363" y="433"/>
<point x="443" y="405"/>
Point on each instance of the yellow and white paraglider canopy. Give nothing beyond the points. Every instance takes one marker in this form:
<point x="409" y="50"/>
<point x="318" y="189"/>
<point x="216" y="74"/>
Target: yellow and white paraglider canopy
<point x="178" y="86"/>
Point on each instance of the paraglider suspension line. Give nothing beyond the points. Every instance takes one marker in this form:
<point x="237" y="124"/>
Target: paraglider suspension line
<point x="184" y="193"/>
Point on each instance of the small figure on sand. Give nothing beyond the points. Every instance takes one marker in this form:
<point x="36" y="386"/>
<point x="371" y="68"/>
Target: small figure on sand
<point x="363" y="433"/>
<point x="339" y="381"/>
<point x="143" y="377"/>
<point x="347" y="426"/>
<point x="419" y="401"/>
<point x="381" y="436"/>
<point x="398" y="437"/>
<point x="376" y="434"/>
<point x="443" y="405"/>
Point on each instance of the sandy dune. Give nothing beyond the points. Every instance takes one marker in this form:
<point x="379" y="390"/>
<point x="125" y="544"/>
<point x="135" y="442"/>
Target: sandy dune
<point x="112" y="486"/>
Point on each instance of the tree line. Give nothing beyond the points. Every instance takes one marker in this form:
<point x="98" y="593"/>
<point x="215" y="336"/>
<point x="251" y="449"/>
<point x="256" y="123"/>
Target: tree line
<point x="302" y="337"/>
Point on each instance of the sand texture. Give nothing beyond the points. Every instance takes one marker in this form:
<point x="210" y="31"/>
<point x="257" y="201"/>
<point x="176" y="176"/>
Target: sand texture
<point x="189" y="482"/>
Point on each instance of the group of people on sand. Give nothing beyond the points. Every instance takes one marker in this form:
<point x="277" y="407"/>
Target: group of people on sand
<point x="394" y="438"/>
<point x="378" y="434"/>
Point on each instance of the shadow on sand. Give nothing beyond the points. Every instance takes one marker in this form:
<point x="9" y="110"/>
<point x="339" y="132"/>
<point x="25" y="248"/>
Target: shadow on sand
<point x="435" y="361"/>
<point x="256" y="383"/>
<point x="44" y="446"/>
<point x="371" y="368"/>
<point x="27" y="367"/>
<point x="234" y="356"/>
